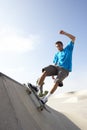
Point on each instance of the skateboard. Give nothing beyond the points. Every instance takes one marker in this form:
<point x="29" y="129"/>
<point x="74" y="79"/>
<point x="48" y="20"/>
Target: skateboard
<point x="41" y="105"/>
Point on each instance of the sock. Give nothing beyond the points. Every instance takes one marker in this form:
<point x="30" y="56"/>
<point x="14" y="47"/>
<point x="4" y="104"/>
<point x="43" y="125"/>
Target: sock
<point x="48" y="95"/>
<point x="38" y="88"/>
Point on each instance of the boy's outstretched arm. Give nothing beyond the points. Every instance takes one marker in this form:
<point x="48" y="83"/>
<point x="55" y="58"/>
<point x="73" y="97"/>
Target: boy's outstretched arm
<point x="68" y="35"/>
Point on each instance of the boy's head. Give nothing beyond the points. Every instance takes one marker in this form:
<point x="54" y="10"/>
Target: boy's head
<point x="59" y="45"/>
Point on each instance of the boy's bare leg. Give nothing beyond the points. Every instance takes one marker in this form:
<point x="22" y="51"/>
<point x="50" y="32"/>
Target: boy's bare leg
<point x="45" y="99"/>
<point x="55" y="86"/>
<point x="42" y="78"/>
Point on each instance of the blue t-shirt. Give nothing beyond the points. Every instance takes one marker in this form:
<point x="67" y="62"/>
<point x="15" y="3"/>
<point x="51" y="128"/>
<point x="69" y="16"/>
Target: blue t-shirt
<point x="64" y="58"/>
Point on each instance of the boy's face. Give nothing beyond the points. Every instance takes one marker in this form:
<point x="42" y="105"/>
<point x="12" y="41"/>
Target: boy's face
<point x="59" y="46"/>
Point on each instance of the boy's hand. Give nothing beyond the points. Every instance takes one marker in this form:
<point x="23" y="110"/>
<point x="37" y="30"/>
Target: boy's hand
<point x="53" y="77"/>
<point x="72" y="37"/>
<point x="62" y="32"/>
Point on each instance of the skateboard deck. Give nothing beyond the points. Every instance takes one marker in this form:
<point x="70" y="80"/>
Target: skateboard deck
<point x="41" y="105"/>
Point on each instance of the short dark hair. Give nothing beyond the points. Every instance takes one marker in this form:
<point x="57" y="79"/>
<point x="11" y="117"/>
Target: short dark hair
<point x="59" y="42"/>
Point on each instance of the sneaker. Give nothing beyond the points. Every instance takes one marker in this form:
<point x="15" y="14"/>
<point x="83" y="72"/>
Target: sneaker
<point x="44" y="100"/>
<point x="43" y="94"/>
<point x="40" y="94"/>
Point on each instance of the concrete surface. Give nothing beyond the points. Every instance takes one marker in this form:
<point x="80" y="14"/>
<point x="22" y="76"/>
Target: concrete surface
<point x="18" y="111"/>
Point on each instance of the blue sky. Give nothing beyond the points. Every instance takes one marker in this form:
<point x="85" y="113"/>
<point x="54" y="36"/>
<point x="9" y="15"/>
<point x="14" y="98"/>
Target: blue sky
<point x="28" y="31"/>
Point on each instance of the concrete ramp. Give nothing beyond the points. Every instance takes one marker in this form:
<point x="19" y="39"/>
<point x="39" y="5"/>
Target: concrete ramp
<point x="18" y="112"/>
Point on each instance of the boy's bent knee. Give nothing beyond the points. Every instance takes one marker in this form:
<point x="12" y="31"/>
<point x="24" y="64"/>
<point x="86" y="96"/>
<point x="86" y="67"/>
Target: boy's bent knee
<point x="45" y="73"/>
<point x="59" y="83"/>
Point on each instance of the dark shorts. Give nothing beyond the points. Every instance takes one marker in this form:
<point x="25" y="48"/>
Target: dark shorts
<point x="53" y="70"/>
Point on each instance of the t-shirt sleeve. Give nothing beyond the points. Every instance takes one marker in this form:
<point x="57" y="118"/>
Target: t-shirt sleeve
<point x="70" y="46"/>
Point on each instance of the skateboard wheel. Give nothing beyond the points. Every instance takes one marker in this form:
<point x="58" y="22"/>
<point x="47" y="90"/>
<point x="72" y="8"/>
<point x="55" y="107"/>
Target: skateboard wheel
<point x="40" y="108"/>
<point x="28" y="91"/>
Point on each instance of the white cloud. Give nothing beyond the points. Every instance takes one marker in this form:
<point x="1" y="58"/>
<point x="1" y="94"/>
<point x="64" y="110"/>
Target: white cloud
<point x="11" y="40"/>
